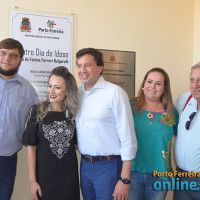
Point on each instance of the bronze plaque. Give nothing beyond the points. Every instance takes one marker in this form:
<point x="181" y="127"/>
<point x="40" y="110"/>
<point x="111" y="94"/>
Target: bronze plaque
<point x="119" y="68"/>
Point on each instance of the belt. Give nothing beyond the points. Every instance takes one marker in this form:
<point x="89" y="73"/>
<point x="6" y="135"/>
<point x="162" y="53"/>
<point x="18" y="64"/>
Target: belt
<point x="98" y="158"/>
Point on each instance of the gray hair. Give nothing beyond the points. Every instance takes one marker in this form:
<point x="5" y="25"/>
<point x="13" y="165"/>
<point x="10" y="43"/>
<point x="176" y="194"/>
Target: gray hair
<point x="197" y="65"/>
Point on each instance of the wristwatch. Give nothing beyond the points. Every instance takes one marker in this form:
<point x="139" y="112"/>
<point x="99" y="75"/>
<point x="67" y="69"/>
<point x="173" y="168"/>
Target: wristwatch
<point x="125" y="180"/>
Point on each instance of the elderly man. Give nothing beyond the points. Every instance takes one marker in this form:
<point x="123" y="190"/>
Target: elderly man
<point x="105" y="131"/>
<point x="187" y="145"/>
<point x="17" y="95"/>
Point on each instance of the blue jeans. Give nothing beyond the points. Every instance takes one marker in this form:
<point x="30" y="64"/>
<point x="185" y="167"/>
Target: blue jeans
<point x="141" y="187"/>
<point x="188" y="194"/>
<point x="98" y="179"/>
<point x="7" y="175"/>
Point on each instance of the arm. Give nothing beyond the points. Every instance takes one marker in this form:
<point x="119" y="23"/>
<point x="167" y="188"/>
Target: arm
<point x="121" y="190"/>
<point x="128" y="148"/>
<point x="31" y="160"/>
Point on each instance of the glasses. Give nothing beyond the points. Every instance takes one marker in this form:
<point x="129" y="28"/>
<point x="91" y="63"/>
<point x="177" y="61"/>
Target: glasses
<point x="187" y="124"/>
<point x="13" y="56"/>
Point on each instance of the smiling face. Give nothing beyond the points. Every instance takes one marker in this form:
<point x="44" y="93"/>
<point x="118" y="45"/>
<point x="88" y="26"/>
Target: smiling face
<point x="154" y="86"/>
<point x="88" y="71"/>
<point x="9" y="63"/>
<point x="195" y="83"/>
<point x="57" y="91"/>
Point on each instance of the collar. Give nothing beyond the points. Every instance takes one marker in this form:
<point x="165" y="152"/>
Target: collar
<point x="193" y="102"/>
<point x="16" y="78"/>
<point x="101" y="83"/>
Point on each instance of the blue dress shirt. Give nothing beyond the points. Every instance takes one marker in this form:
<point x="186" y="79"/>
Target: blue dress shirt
<point x="187" y="144"/>
<point x="105" y="123"/>
<point x="17" y="95"/>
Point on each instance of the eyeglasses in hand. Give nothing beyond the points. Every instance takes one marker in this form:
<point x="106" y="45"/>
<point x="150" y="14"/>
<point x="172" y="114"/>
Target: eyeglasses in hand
<point x="187" y="124"/>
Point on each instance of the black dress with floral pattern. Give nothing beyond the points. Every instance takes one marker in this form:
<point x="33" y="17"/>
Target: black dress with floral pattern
<point x="56" y="161"/>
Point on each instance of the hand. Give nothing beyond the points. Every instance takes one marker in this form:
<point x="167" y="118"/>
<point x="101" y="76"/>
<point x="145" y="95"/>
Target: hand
<point x="34" y="190"/>
<point x="121" y="191"/>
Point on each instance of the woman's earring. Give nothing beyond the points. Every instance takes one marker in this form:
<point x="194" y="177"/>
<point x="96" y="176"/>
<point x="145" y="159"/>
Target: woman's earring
<point x="66" y="113"/>
<point x="49" y="107"/>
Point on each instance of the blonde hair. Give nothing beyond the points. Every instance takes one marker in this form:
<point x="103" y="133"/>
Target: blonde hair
<point x="71" y="101"/>
<point x="166" y="98"/>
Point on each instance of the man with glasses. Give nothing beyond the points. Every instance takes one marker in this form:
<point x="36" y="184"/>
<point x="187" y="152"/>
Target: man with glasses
<point x="17" y="95"/>
<point x="187" y="145"/>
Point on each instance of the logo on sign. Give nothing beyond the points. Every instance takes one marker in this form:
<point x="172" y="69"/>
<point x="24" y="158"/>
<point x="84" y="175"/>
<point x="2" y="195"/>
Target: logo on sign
<point x="51" y="24"/>
<point x="112" y="58"/>
<point x="25" y="25"/>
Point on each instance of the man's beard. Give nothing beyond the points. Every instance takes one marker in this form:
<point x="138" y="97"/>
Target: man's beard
<point x="10" y="72"/>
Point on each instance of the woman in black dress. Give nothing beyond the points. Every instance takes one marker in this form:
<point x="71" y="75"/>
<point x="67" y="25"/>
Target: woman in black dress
<point x="50" y="136"/>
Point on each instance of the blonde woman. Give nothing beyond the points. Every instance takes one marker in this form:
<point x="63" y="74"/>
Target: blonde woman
<point x="50" y="137"/>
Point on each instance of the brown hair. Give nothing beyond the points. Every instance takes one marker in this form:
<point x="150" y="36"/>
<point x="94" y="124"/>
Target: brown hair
<point x="98" y="56"/>
<point x="11" y="43"/>
<point x="166" y="98"/>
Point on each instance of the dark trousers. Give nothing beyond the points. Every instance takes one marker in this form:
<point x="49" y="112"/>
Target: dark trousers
<point x="98" y="179"/>
<point x="7" y="175"/>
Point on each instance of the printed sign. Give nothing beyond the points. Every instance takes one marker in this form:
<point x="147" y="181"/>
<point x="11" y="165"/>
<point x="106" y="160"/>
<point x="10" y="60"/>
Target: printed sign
<point x="48" y="43"/>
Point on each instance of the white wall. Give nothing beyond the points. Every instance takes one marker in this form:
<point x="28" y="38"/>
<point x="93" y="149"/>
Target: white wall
<point x="160" y="32"/>
<point x="196" y="55"/>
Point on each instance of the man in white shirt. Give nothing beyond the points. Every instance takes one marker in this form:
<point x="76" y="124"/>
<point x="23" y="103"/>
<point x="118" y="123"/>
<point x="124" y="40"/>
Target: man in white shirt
<point x="105" y="130"/>
<point x="187" y="145"/>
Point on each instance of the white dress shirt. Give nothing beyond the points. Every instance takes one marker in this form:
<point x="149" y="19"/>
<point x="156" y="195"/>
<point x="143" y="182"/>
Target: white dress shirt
<point x="105" y="122"/>
<point x="187" y="144"/>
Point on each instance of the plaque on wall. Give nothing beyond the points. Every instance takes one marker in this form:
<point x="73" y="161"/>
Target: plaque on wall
<point x="119" y="68"/>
